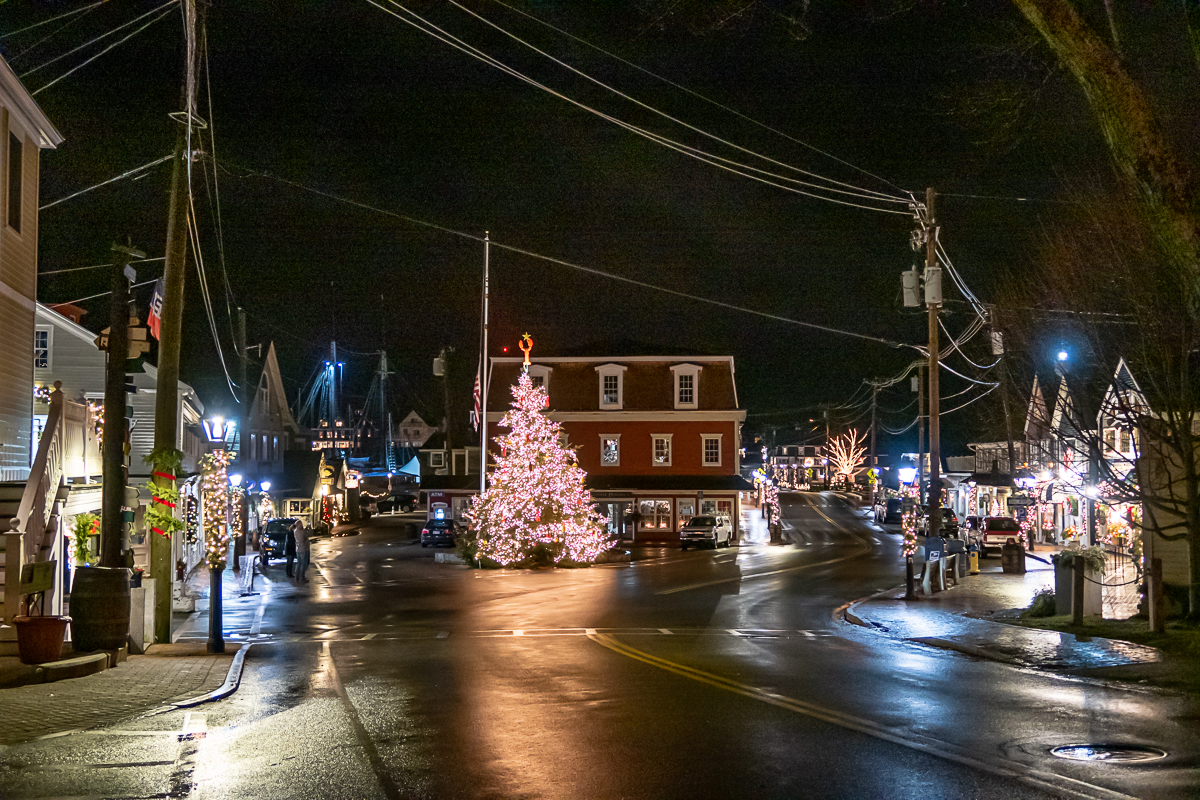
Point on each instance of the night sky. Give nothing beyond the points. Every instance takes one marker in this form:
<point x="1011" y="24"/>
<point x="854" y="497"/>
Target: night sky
<point x="345" y="99"/>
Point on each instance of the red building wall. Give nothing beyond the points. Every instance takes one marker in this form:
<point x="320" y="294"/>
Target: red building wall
<point x="637" y="446"/>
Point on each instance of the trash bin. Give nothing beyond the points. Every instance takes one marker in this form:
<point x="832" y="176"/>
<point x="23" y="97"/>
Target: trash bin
<point x="1012" y="558"/>
<point x="958" y="547"/>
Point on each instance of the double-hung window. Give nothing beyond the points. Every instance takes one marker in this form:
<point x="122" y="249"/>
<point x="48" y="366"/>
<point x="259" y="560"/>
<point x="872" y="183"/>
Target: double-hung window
<point x="43" y="338"/>
<point x="610" y="449"/>
<point x="711" y="449"/>
<point x="687" y="386"/>
<point x="612" y="387"/>
<point x="661" y="454"/>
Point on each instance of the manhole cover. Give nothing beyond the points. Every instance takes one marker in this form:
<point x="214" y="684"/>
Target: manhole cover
<point x="1116" y="753"/>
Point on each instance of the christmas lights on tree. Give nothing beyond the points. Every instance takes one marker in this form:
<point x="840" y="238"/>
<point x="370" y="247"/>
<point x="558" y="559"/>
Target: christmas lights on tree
<point x="215" y="500"/>
<point x="536" y="497"/>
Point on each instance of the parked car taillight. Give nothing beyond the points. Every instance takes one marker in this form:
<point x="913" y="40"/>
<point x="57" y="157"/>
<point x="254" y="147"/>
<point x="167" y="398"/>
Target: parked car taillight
<point x="425" y="531"/>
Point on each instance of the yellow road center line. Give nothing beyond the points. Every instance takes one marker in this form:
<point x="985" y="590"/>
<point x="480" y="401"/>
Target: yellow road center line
<point x="1046" y="781"/>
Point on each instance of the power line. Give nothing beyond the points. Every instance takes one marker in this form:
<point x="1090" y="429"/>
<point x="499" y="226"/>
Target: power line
<point x="102" y="52"/>
<point x="699" y="96"/>
<point x="591" y="270"/>
<point x="105" y="35"/>
<point x="52" y="19"/>
<point x="101" y="294"/>
<point x="95" y="266"/>
<point x="859" y="191"/>
<point x="126" y="174"/>
<point x="700" y="155"/>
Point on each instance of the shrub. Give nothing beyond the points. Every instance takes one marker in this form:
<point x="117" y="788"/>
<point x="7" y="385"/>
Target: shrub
<point x="1043" y="603"/>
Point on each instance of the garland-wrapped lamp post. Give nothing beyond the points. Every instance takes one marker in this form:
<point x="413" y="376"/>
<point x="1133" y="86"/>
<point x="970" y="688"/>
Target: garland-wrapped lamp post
<point x="215" y="501"/>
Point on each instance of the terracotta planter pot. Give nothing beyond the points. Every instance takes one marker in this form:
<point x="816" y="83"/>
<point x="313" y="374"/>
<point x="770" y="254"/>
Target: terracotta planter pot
<point x="40" y="639"/>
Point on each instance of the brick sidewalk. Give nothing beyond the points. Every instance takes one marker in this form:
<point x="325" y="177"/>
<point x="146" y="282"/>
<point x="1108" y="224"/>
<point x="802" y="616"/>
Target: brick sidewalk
<point x="140" y="684"/>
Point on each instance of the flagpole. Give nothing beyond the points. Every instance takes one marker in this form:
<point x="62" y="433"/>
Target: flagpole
<point x="483" y="360"/>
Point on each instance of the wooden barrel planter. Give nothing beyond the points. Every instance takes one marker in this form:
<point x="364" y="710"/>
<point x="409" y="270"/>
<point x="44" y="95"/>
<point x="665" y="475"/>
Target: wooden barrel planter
<point x="100" y="608"/>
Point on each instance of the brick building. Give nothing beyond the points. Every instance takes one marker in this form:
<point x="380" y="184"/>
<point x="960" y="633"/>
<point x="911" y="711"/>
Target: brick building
<point x="658" y="436"/>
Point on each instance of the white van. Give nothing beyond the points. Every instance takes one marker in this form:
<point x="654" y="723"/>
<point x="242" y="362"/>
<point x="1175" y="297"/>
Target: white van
<point x="715" y="530"/>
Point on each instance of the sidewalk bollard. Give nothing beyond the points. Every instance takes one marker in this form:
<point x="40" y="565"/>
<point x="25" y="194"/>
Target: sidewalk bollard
<point x="1077" y="591"/>
<point x="910" y="590"/>
<point x="974" y="556"/>
<point x="1158" y="622"/>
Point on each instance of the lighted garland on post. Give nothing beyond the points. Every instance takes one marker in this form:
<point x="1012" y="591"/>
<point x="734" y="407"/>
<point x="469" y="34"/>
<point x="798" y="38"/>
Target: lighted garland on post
<point x="536" y="497"/>
<point x="908" y="521"/>
<point x="191" y="517"/>
<point x="160" y="515"/>
<point x="215" y="501"/>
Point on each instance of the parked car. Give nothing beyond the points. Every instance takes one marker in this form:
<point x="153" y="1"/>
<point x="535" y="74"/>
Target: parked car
<point x="709" y="529"/>
<point x="274" y="537"/>
<point x="949" y="522"/>
<point x="995" y="532"/>
<point x="890" y="511"/>
<point x="439" y="531"/>
<point x="402" y="503"/>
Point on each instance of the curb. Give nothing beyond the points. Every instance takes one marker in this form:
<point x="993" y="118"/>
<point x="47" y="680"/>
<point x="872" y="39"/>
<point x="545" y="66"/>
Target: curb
<point x="843" y="613"/>
<point x="233" y="680"/>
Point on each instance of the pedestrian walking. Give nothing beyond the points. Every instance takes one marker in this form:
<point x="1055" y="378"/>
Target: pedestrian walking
<point x="289" y="546"/>
<point x="302" y="550"/>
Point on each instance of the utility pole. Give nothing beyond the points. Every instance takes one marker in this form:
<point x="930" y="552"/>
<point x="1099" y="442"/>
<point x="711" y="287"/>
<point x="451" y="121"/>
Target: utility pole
<point x="483" y="370"/>
<point x="871" y="467"/>
<point x="921" y="434"/>
<point x="933" y="299"/>
<point x="166" y="399"/>
<point x="826" y="458"/>
<point x="112" y="497"/>
<point x="334" y="383"/>
<point x="385" y="417"/>
<point x="239" y="536"/>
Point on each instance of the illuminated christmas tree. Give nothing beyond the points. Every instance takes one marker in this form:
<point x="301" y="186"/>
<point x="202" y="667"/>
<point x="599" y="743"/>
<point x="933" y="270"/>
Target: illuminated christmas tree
<point x="536" y="500"/>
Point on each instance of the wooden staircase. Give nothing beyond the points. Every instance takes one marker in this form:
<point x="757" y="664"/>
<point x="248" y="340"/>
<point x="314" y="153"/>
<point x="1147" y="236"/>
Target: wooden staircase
<point x="30" y="528"/>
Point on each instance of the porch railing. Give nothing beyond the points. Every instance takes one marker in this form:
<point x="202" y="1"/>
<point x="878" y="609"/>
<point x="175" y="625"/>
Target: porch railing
<point x="37" y="507"/>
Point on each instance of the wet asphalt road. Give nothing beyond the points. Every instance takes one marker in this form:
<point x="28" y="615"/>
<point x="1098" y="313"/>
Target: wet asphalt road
<point x="700" y="674"/>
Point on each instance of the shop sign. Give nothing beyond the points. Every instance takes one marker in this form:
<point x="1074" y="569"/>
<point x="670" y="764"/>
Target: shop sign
<point x="352" y="478"/>
<point x="1021" y="502"/>
<point x="326" y="475"/>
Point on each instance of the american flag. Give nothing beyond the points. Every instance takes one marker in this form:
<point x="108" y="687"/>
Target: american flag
<point x="477" y="395"/>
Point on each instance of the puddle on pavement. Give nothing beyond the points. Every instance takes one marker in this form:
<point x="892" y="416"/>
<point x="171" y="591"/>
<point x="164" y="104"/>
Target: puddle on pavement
<point x="1109" y="753"/>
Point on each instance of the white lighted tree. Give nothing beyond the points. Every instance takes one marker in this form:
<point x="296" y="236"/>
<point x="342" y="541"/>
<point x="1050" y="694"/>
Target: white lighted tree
<point x="846" y="453"/>
<point x="536" y="498"/>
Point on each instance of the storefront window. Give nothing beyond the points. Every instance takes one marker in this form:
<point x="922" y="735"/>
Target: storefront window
<point x="686" y="510"/>
<point x="656" y="514"/>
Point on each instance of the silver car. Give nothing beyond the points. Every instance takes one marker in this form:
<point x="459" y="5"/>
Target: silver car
<point x="706" y="529"/>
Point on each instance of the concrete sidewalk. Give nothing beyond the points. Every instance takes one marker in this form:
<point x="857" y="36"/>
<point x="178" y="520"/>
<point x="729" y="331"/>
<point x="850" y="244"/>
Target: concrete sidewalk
<point x="959" y="619"/>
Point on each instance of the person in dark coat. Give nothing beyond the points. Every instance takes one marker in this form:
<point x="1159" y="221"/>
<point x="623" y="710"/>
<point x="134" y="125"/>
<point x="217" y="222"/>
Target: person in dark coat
<point x="289" y="548"/>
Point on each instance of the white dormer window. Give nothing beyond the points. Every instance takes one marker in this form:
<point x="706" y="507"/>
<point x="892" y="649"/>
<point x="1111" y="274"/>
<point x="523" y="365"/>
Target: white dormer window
<point x="437" y="459"/>
<point x="540" y="376"/>
<point x="612" y="386"/>
<point x="687" y="386"/>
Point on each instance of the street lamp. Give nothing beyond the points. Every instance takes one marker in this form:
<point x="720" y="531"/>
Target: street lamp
<point x="265" y="486"/>
<point x="1063" y="355"/>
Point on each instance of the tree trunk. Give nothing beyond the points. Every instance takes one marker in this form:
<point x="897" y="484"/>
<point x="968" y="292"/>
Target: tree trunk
<point x="1139" y="147"/>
